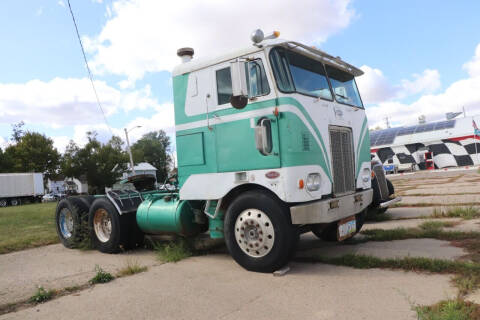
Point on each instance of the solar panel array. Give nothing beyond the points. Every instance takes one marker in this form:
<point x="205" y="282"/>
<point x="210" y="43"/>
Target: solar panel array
<point x="387" y="136"/>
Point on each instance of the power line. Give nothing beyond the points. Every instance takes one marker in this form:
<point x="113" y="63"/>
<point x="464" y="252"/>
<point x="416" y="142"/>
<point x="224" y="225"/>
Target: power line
<point x="88" y="68"/>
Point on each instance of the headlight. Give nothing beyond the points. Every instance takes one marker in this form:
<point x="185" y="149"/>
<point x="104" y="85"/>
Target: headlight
<point x="313" y="182"/>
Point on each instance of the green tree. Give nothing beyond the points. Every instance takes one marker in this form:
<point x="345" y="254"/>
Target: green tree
<point x="95" y="161"/>
<point x="154" y="148"/>
<point x="33" y="152"/>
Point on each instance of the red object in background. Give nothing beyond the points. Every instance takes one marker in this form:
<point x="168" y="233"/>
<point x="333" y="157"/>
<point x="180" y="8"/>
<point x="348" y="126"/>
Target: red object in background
<point x="429" y="165"/>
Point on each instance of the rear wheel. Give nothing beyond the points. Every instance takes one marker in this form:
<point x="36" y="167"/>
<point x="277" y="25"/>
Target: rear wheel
<point x="258" y="232"/>
<point x="109" y="235"/>
<point x="3" y="202"/>
<point x="14" y="202"/>
<point x="70" y="221"/>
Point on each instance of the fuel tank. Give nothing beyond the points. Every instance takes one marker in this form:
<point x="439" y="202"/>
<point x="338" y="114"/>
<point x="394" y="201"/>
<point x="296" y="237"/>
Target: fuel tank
<point x="159" y="214"/>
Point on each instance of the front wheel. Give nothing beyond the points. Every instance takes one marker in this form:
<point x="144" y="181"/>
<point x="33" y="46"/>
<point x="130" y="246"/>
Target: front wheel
<point x="258" y="232"/>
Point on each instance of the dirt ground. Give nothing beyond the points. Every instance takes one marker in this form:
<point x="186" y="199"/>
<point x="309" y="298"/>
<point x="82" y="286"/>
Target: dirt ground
<point x="213" y="286"/>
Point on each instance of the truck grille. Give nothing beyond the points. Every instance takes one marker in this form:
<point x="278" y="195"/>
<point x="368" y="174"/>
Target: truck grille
<point x="342" y="160"/>
<point x="381" y="180"/>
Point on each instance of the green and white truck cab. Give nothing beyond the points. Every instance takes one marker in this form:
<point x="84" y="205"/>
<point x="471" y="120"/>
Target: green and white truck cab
<point x="272" y="140"/>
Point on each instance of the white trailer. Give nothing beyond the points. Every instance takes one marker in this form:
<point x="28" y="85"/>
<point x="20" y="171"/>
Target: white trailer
<point x="16" y="188"/>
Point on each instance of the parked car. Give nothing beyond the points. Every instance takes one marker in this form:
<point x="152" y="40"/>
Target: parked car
<point x="49" y="197"/>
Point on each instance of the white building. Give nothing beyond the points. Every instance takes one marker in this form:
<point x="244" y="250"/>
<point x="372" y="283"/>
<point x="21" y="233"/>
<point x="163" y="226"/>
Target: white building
<point x="141" y="168"/>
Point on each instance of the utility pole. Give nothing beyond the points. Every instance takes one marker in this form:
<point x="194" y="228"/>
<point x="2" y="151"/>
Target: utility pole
<point x="128" y="148"/>
<point x="387" y="122"/>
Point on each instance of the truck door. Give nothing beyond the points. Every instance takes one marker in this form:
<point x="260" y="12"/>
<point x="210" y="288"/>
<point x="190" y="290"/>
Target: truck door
<point x="246" y="139"/>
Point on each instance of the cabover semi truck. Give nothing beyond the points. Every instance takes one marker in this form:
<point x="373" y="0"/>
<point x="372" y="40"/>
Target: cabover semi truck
<point x="272" y="141"/>
<point x="17" y="188"/>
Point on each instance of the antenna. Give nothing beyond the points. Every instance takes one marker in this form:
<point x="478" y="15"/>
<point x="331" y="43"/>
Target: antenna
<point x="387" y="122"/>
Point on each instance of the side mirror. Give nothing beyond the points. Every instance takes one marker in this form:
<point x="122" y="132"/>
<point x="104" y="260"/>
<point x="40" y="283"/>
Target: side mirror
<point x="239" y="97"/>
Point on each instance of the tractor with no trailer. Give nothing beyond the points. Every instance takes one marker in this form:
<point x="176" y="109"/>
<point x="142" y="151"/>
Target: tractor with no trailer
<point x="272" y="141"/>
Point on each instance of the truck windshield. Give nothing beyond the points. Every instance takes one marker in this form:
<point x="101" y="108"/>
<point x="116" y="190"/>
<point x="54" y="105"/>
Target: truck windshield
<point x="344" y="87"/>
<point x="297" y="73"/>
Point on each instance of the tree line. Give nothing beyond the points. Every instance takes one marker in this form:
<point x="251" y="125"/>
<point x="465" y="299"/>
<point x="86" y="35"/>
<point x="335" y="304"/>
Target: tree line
<point x="102" y="164"/>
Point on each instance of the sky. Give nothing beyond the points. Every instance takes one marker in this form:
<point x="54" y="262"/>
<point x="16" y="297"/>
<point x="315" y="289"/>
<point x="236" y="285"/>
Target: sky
<point x="418" y="57"/>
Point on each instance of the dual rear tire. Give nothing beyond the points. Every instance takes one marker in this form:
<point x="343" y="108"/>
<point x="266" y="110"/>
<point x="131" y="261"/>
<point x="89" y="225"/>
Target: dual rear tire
<point x="86" y="220"/>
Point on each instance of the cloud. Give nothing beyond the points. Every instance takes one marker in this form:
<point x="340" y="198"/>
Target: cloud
<point x="66" y="102"/>
<point x="61" y="3"/>
<point x="39" y="12"/>
<point x="60" y="142"/>
<point x="162" y="119"/>
<point x="473" y="66"/>
<point x="426" y="82"/>
<point x="143" y="35"/>
<point x="462" y="93"/>
<point x="376" y="88"/>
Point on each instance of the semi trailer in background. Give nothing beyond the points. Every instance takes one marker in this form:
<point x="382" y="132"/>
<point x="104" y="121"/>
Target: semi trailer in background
<point x="18" y="188"/>
<point x="272" y="141"/>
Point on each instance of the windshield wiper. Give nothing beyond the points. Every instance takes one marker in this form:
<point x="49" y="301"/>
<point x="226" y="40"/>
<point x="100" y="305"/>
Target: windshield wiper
<point x="341" y="96"/>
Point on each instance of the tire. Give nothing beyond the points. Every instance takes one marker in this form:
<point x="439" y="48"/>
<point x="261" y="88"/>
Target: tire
<point x="391" y="189"/>
<point x="329" y="233"/>
<point x="14" y="202"/>
<point x="266" y="224"/>
<point x="108" y="233"/>
<point x="3" y="203"/>
<point x="70" y="222"/>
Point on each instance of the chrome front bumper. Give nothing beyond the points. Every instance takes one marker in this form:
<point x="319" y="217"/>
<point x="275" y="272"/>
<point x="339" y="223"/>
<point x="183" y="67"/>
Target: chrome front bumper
<point x="326" y="211"/>
<point x="390" y="202"/>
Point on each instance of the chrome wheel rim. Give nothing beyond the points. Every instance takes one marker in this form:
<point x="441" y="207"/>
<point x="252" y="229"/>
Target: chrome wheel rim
<point x="3" y="203"/>
<point x="66" y="223"/>
<point x="102" y="225"/>
<point x="254" y="233"/>
<point x="14" y="202"/>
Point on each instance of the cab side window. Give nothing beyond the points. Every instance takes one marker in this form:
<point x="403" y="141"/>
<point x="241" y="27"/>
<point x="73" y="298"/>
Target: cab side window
<point x="224" y="85"/>
<point x="256" y="80"/>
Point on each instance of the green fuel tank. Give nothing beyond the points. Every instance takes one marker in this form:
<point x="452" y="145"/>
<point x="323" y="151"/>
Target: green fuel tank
<point x="167" y="214"/>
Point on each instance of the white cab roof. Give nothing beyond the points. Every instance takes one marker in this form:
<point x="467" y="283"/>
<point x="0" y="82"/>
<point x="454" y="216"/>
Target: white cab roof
<point x="197" y="64"/>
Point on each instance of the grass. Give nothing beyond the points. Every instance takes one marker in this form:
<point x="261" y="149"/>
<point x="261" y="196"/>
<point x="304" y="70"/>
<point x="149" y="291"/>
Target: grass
<point x="429" y="231"/>
<point x="27" y="226"/>
<point x="41" y="295"/>
<point x="423" y="204"/>
<point x="434" y="225"/>
<point x="456" y="309"/>
<point x="467" y="213"/>
<point x="173" y="251"/>
<point x="101" y="276"/>
<point x="132" y="267"/>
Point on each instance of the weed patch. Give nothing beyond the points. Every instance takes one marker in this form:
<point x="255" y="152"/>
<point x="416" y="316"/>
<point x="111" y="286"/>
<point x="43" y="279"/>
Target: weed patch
<point x="41" y="295"/>
<point x="132" y="267"/>
<point x="469" y="212"/>
<point x="173" y="251"/>
<point x="101" y="276"/>
<point x="436" y="225"/>
<point x="417" y="233"/>
<point x="457" y="309"/>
